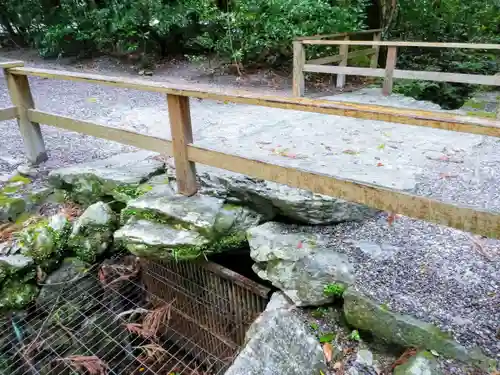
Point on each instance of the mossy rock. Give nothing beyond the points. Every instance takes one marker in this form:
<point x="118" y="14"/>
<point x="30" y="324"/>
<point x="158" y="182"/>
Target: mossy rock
<point x="16" y="295"/>
<point x="45" y="240"/>
<point x="15" y="266"/>
<point x="92" y="233"/>
<point x="364" y="314"/>
<point x="423" y="363"/>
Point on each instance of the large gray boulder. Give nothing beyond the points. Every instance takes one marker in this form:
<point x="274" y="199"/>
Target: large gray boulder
<point x="161" y="223"/>
<point x="118" y="177"/>
<point x="92" y="232"/>
<point x="298" y="263"/>
<point x="271" y="198"/>
<point x="279" y="343"/>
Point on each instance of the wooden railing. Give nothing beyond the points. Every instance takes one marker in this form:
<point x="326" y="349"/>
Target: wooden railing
<point x="300" y="65"/>
<point x="186" y="153"/>
<point x="342" y="58"/>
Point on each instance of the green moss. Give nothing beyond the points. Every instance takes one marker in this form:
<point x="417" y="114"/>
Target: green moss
<point x="472" y="103"/>
<point x="335" y="290"/>
<point x="127" y="192"/>
<point x="16" y="295"/>
<point x="10" y="189"/>
<point x="19" y="178"/>
<point x="481" y="114"/>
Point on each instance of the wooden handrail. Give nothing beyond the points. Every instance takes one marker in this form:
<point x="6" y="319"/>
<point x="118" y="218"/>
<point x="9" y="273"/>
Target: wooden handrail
<point x="403" y="44"/>
<point x="186" y="153"/>
<point x="339" y="35"/>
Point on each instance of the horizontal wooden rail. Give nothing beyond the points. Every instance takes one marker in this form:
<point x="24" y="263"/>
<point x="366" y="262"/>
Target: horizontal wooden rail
<point x="337" y="58"/>
<point x="126" y="137"/>
<point x="469" y="219"/>
<point x="10" y="64"/>
<point x="430" y="119"/>
<point x="477" y="79"/>
<point x="402" y="44"/>
<point x="8" y="113"/>
<point x="339" y="35"/>
<point x="478" y="221"/>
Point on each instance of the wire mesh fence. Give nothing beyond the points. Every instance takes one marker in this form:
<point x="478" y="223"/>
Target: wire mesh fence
<point x="128" y="317"/>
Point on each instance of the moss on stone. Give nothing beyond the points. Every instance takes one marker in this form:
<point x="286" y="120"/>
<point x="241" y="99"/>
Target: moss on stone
<point x="481" y="114"/>
<point x="19" y="178"/>
<point x="10" y="189"/>
<point x="476" y="104"/>
<point x="392" y="327"/>
<point x="15" y="295"/>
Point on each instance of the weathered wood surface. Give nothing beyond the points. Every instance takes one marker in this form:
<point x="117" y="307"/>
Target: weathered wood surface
<point x="10" y="64"/>
<point x="403" y="44"/>
<point x="344" y="52"/>
<point x="481" y="222"/>
<point x="20" y="95"/>
<point x="438" y="120"/>
<point x="299" y="58"/>
<point x="390" y="65"/>
<point x="122" y="136"/>
<point x="339" y="35"/>
<point x="374" y="59"/>
<point x="8" y="113"/>
<point x="182" y="135"/>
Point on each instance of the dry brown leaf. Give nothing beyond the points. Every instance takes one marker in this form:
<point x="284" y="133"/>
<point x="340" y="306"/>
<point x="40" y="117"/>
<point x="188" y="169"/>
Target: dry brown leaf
<point x="328" y="351"/>
<point x="92" y="364"/>
<point x="410" y="352"/>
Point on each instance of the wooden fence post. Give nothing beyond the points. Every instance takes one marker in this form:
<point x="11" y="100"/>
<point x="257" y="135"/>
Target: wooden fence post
<point x="182" y="135"/>
<point x="20" y="94"/>
<point x="344" y="52"/>
<point x="299" y="59"/>
<point x="389" y="70"/>
<point x="374" y="60"/>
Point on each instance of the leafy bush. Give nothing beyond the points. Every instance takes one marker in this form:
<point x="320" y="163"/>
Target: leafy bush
<point x="446" y="21"/>
<point x="243" y="30"/>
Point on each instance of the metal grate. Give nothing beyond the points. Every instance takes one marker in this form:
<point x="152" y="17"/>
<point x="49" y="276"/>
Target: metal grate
<point x="130" y="317"/>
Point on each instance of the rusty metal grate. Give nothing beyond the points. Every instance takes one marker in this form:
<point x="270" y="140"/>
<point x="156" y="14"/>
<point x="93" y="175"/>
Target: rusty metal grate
<point x="213" y="305"/>
<point x="130" y="317"/>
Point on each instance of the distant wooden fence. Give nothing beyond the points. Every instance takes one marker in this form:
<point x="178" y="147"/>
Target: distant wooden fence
<point x="342" y="58"/>
<point x="185" y="153"/>
<point x="300" y="65"/>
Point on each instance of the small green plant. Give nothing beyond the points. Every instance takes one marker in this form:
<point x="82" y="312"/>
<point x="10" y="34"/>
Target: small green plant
<point x="327" y="337"/>
<point x="334" y="290"/>
<point x="320" y="312"/>
<point x="355" y="335"/>
<point x="314" y="326"/>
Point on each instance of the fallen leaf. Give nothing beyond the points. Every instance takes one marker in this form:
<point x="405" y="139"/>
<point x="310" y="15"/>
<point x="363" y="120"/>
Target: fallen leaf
<point x="381" y="146"/>
<point x="350" y="152"/>
<point x="328" y="352"/>
<point x="434" y="353"/>
<point x="391" y="218"/>
<point x="380" y="164"/>
<point x="92" y="100"/>
<point x="299" y="245"/>
<point x="447" y="175"/>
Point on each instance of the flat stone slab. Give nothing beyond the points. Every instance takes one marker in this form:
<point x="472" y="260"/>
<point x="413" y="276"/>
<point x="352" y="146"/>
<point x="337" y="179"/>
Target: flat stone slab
<point x="430" y="273"/>
<point x="156" y="240"/>
<point x="117" y="176"/>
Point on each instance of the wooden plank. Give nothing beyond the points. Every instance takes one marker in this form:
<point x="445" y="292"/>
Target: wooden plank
<point x="389" y="70"/>
<point x="11" y="64"/>
<point x="20" y="95"/>
<point x="182" y="135"/>
<point x="374" y="59"/>
<point x="8" y="113"/>
<point x="343" y="51"/>
<point x="338" y="35"/>
<point x="403" y="44"/>
<point x="481" y="222"/>
<point x="122" y="136"/>
<point x="299" y="58"/>
<point x="476" y="79"/>
<point x="438" y="120"/>
<point x="337" y="58"/>
<point x="349" y="70"/>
